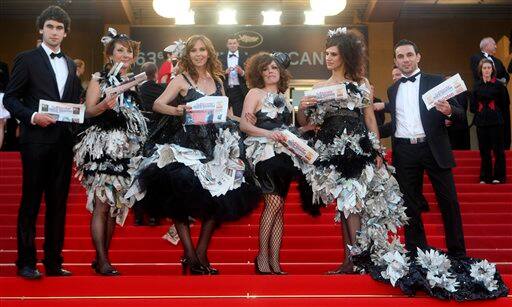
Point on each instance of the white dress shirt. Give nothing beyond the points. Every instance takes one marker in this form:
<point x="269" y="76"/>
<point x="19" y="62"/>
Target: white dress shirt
<point x="408" y="120"/>
<point x="232" y="63"/>
<point x="60" y="68"/>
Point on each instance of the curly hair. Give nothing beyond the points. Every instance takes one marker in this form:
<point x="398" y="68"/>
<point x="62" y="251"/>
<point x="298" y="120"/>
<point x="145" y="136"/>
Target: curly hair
<point x="352" y="48"/>
<point x="213" y="65"/>
<point x="124" y="40"/>
<point x="254" y="72"/>
<point x="56" y="13"/>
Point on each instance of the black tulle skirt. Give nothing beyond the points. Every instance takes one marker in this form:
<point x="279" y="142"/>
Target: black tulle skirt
<point x="275" y="175"/>
<point x="174" y="191"/>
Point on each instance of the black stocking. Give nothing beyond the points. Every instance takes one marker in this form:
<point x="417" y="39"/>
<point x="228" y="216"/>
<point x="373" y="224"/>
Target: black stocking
<point x="100" y="233"/>
<point x="207" y="229"/>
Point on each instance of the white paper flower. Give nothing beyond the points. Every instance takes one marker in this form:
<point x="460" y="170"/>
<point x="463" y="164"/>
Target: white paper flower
<point x="484" y="272"/>
<point x="397" y="267"/>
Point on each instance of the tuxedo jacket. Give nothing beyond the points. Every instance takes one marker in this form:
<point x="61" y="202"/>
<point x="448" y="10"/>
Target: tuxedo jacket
<point x="241" y="62"/>
<point x="432" y="121"/>
<point x="33" y="79"/>
<point x="501" y="72"/>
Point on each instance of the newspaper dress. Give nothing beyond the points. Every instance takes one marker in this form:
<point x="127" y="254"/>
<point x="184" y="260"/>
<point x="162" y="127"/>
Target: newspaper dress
<point x="345" y="173"/>
<point x="4" y="114"/>
<point x="105" y="154"/>
<point x="274" y="165"/>
<point x="199" y="171"/>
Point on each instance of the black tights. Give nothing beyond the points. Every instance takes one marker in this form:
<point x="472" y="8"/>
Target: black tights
<point x="102" y="230"/>
<point x="271" y="233"/>
<point x="349" y="226"/>
<point x="196" y="254"/>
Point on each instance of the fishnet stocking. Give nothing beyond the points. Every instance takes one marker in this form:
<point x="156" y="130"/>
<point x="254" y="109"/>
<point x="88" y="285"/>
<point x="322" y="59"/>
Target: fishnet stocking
<point x="271" y="233"/>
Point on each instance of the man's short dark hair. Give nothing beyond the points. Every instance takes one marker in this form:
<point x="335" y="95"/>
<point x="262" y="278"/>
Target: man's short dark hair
<point x="406" y="42"/>
<point x="232" y="36"/>
<point x="150" y="69"/>
<point x="54" y="12"/>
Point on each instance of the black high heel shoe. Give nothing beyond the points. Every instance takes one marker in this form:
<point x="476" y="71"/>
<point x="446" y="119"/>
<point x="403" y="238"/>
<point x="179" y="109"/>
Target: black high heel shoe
<point x="193" y="268"/>
<point x="212" y="270"/>
<point x="279" y="272"/>
<point x="257" y="268"/>
<point x="110" y="271"/>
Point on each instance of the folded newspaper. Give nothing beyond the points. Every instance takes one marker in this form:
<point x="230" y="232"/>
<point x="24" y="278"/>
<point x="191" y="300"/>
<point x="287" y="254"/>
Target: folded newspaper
<point x="331" y="92"/>
<point x="207" y="110"/>
<point x="63" y="112"/>
<point x="450" y="88"/>
<point x="126" y="85"/>
<point x="299" y="147"/>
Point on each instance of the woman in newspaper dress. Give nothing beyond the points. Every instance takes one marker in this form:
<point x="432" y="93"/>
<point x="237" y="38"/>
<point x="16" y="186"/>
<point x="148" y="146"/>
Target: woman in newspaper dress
<point x="274" y="165"/>
<point x="369" y="203"/>
<point x="104" y="154"/>
<point x="199" y="171"/>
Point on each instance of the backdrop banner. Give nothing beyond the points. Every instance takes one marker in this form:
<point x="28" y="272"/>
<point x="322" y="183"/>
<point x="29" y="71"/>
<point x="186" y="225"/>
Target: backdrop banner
<point x="304" y="44"/>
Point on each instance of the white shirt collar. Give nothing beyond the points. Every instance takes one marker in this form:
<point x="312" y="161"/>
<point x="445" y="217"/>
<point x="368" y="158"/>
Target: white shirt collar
<point x="415" y="72"/>
<point x="48" y="50"/>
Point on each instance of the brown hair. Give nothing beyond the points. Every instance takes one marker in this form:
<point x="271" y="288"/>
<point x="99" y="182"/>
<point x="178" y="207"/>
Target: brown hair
<point x="352" y="49"/>
<point x="254" y="71"/>
<point x="213" y="65"/>
<point x="124" y="40"/>
<point x="481" y="64"/>
<point x="79" y="62"/>
<point x="54" y="12"/>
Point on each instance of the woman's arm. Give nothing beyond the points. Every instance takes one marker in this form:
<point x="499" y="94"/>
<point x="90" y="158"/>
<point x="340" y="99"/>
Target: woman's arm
<point x="251" y="102"/>
<point x="172" y="90"/>
<point x="92" y="105"/>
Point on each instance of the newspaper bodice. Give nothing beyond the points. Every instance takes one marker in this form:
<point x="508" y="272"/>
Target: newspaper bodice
<point x="127" y="101"/>
<point x="358" y="97"/>
<point x="194" y="93"/>
<point x="274" y="112"/>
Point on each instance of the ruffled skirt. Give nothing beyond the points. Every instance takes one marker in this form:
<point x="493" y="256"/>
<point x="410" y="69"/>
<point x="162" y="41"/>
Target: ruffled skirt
<point x="178" y="181"/>
<point x="105" y="159"/>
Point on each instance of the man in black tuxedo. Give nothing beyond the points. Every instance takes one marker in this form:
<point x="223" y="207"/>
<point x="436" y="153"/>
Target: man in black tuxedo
<point x="45" y="145"/>
<point x="234" y="84"/>
<point x="458" y="131"/>
<point x="420" y="142"/>
<point x="487" y="50"/>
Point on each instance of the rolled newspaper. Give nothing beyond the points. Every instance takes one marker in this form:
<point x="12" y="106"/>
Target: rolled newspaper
<point x="450" y="88"/>
<point x="299" y="147"/>
<point x="331" y="92"/>
<point x="126" y="85"/>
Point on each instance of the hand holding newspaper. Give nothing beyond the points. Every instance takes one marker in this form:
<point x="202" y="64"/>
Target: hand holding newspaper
<point x="207" y="110"/>
<point x="331" y="92"/>
<point x="126" y="85"/>
<point x="299" y="147"/>
<point x="63" y="112"/>
<point x="444" y="91"/>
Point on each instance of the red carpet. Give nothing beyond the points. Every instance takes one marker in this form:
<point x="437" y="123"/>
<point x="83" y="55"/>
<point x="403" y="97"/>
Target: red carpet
<point x="151" y="272"/>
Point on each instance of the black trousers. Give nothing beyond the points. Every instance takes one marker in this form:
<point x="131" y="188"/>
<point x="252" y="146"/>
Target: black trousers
<point x="410" y="162"/>
<point x="46" y="169"/>
<point x="236" y="97"/>
<point x="490" y="139"/>
<point x="459" y="138"/>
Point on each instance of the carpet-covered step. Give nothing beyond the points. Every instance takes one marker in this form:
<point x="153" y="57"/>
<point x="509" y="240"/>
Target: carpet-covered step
<point x="333" y="229"/>
<point x="203" y="286"/>
<point x="232" y="254"/>
<point x="314" y="241"/>
<point x="292" y="218"/>
<point x="294" y="197"/>
<point x="174" y="268"/>
<point x="295" y="207"/>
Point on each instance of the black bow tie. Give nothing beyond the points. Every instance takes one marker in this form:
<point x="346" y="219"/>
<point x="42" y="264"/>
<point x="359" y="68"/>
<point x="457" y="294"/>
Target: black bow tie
<point x="411" y="78"/>
<point x="58" y="55"/>
<point x="232" y="55"/>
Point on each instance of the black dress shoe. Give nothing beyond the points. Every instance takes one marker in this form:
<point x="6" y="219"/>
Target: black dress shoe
<point x="153" y="221"/>
<point x="57" y="272"/>
<point x="138" y="221"/>
<point x="29" y="273"/>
